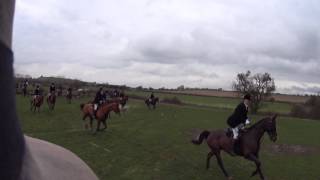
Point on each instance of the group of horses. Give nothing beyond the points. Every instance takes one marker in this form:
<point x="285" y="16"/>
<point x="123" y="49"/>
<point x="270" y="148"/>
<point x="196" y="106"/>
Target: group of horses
<point x="37" y="101"/>
<point x="247" y="145"/>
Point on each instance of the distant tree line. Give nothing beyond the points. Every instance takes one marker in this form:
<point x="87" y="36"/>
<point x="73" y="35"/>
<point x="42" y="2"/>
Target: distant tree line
<point x="310" y="109"/>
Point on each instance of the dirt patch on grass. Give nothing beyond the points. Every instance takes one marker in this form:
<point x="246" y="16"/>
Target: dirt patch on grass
<point x="293" y="149"/>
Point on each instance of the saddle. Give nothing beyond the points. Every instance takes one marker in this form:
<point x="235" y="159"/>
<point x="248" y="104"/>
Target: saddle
<point x="236" y="142"/>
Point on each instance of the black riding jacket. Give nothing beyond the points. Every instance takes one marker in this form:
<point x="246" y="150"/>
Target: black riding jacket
<point x="239" y="115"/>
<point x="98" y="98"/>
<point x="52" y="88"/>
<point x="37" y="91"/>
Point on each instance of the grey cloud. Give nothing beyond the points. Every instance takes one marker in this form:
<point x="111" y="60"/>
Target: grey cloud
<point x="198" y="44"/>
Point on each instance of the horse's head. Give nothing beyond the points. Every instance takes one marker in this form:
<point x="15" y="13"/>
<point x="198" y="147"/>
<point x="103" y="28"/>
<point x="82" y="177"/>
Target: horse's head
<point x="271" y="128"/>
<point x="116" y="107"/>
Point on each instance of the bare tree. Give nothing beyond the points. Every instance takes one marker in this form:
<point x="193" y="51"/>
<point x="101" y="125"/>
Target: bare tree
<point x="259" y="86"/>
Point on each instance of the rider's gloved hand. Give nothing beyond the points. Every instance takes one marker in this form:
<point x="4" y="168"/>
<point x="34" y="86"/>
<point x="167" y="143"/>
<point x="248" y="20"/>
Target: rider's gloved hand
<point x="247" y="121"/>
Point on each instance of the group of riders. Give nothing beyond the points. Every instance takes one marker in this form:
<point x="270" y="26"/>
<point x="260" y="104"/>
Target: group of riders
<point x="102" y="96"/>
<point x="38" y="92"/>
<point x="52" y="91"/>
<point x="236" y="121"/>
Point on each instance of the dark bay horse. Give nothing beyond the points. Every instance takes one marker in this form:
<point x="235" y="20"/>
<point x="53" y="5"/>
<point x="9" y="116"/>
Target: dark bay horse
<point x="51" y="100"/>
<point x="36" y="103"/>
<point x="152" y="102"/>
<point x="101" y="115"/>
<point x="248" y="144"/>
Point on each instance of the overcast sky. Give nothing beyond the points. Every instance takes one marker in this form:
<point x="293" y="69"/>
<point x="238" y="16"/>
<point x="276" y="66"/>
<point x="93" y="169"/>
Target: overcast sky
<point x="167" y="43"/>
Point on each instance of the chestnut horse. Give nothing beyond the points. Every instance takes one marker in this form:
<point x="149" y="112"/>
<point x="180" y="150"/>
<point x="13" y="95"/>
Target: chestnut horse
<point x="247" y="145"/>
<point x="36" y="103"/>
<point x="51" y="100"/>
<point x="152" y="102"/>
<point x="102" y="113"/>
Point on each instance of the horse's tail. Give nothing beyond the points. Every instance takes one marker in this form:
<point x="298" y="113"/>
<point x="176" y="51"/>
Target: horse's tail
<point x="81" y="106"/>
<point x="203" y="135"/>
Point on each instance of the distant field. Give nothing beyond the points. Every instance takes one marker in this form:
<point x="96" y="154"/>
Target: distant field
<point x="217" y="102"/>
<point x="143" y="144"/>
<point x="232" y="94"/>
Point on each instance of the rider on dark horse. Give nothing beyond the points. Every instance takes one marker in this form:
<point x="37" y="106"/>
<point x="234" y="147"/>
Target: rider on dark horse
<point x="239" y="118"/>
<point x="52" y="89"/>
<point x="98" y="100"/>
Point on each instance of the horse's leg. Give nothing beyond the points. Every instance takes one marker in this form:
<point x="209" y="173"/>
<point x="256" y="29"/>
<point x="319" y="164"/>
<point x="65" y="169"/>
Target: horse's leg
<point x="220" y="163"/>
<point x="210" y="154"/>
<point x="253" y="158"/>
<point x="98" y="125"/>
<point x="91" y="121"/>
<point x="105" y="124"/>
<point x="84" y="119"/>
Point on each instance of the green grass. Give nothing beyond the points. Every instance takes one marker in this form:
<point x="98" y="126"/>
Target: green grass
<point x="144" y="144"/>
<point x="218" y="102"/>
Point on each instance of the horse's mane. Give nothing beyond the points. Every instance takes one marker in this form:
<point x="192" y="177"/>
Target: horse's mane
<point x="12" y="145"/>
<point x="255" y="125"/>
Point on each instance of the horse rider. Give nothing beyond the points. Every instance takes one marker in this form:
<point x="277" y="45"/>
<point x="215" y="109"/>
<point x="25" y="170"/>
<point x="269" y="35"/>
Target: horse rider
<point x="121" y="94"/>
<point x="52" y="89"/>
<point x="151" y="97"/>
<point x="36" y="92"/>
<point x="98" y="100"/>
<point x="25" y="85"/>
<point x="69" y="91"/>
<point x="239" y="118"/>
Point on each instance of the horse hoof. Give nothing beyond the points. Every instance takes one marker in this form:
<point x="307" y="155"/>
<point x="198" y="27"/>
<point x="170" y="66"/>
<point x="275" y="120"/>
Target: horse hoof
<point x="229" y="178"/>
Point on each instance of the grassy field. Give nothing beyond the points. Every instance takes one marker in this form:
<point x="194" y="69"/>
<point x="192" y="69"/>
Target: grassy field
<point x="218" y="102"/>
<point x="155" y="145"/>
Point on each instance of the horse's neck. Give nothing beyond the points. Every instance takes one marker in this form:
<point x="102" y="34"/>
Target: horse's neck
<point x="106" y="109"/>
<point x="257" y="131"/>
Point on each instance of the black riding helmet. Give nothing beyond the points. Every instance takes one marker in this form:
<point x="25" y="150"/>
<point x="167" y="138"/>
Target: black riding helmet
<point x="247" y="96"/>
